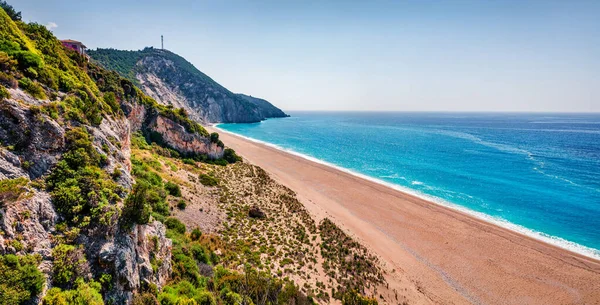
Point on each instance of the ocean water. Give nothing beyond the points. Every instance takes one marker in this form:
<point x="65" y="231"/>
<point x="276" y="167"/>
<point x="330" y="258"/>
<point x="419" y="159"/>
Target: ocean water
<point x="535" y="173"/>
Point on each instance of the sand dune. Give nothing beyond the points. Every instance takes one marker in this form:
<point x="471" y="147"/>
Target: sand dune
<point x="447" y="256"/>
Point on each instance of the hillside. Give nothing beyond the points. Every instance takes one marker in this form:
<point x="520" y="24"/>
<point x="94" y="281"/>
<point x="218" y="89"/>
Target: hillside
<point x="108" y="197"/>
<point x="171" y="80"/>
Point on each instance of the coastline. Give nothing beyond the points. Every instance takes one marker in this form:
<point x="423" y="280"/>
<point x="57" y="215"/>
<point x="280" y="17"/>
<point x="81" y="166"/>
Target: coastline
<point x="541" y="236"/>
<point x="435" y="246"/>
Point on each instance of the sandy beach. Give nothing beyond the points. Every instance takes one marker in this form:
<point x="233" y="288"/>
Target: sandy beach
<point x="448" y="256"/>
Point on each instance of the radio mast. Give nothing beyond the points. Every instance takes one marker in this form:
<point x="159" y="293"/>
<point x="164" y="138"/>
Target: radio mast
<point x="162" y="45"/>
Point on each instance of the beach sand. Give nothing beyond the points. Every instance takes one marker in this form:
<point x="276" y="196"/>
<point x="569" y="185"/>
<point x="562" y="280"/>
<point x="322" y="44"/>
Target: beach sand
<point x="448" y="256"/>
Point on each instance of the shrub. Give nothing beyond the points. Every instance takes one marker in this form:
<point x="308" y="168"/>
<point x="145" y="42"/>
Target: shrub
<point x="136" y="208"/>
<point x="181" y="204"/>
<point x="230" y="156"/>
<point x="4" y="94"/>
<point x="145" y="298"/>
<point x="208" y="180"/>
<point x="69" y="265"/>
<point x="82" y="192"/>
<point x="352" y="297"/>
<point x="20" y="280"/>
<point x="196" y="234"/>
<point x="85" y="293"/>
<point x="10" y="11"/>
<point x="173" y="189"/>
<point x="175" y="225"/>
<point x="28" y="60"/>
<point x="32" y="88"/>
<point x="214" y="137"/>
<point x="11" y="189"/>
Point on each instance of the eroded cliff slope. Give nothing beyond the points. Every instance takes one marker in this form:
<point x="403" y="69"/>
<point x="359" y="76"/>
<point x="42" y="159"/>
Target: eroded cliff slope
<point x="171" y="80"/>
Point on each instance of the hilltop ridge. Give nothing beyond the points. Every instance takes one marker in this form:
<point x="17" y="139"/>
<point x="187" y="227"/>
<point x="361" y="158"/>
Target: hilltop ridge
<point x="172" y="80"/>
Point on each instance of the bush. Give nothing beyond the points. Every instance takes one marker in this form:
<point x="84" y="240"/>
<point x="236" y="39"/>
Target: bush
<point x="11" y="189"/>
<point x="352" y="297"/>
<point x="196" y="234"/>
<point x="173" y="189"/>
<point x="214" y="137"/>
<point x="10" y="11"/>
<point x="208" y="180"/>
<point x="20" y="280"/>
<point x="230" y="156"/>
<point x="175" y="225"/>
<point x="136" y="208"/>
<point x="32" y="88"/>
<point x="85" y="293"/>
<point x="181" y="204"/>
<point x="4" y="94"/>
<point x="82" y="192"/>
<point x="145" y="298"/>
<point x="28" y="60"/>
<point x="69" y="265"/>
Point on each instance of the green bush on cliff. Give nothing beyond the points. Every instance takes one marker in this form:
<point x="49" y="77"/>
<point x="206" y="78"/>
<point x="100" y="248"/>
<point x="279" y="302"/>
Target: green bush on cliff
<point x="81" y="191"/>
<point x="32" y="88"/>
<point x="69" y="265"/>
<point x="14" y="15"/>
<point x="84" y="293"/>
<point x="352" y="297"/>
<point x="20" y="280"/>
<point x="148" y="196"/>
<point x="11" y="189"/>
<point x="173" y="189"/>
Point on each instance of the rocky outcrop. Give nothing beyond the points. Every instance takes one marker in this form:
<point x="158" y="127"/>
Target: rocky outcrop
<point x="171" y="80"/>
<point x="175" y="136"/>
<point x="138" y="259"/>
<point x="30" y="221"/>
<point x="38" y="138"/>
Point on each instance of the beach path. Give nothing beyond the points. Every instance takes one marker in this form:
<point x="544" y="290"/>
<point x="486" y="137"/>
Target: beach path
<point x="449" y="257"/>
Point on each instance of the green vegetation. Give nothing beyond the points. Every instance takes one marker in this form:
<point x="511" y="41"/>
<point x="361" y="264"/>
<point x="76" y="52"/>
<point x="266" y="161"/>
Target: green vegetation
<point x="81" y="191"/>
<point x="175" y="225"/>
<point x="11" y="189"/>
<point x="181" y="204"/>
<point x="20" y="280"/>
<point x="347" y="261"/>
<point x="32" y="88"/>
<point x="208" y="180"/>
<point x="352" y="297"/>
<point x="14" y="15"/>
<point x="173" y="189"/>
<point x="196" y="279"/>
<point x="69" y="265"/>
<point x="84" y="293"/>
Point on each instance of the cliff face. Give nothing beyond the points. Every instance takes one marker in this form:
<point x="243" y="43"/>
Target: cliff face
<point x="171" y="80"/>
<point x="34" y="142"/>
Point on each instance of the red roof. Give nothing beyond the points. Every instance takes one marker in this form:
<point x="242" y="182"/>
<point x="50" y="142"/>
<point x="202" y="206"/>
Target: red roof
<point x="73" y="42"/>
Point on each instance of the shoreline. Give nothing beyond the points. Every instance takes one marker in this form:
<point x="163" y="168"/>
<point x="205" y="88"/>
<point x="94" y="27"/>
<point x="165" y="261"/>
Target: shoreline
<point x="448" y="255"/>
<point x="537" y="235"/>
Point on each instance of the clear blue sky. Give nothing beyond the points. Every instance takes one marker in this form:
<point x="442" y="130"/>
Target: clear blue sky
<point x="370" y="55"/>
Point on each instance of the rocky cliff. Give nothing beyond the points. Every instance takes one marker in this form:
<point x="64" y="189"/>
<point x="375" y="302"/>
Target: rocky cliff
<point x="66" y="183"/>
<point x="171" y="80"/>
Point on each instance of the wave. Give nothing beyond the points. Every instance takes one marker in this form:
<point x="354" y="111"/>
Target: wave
<point x="541" y="236"/>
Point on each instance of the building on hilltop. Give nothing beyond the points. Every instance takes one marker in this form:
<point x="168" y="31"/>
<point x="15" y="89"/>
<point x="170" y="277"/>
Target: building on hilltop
<point x="75" y="46"/>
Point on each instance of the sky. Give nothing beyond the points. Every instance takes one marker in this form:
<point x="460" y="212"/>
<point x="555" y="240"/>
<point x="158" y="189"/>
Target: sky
<point x="541" y="56"/>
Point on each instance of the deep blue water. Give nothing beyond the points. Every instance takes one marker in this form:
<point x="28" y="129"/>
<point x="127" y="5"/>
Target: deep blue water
<point x="539" y="171"/>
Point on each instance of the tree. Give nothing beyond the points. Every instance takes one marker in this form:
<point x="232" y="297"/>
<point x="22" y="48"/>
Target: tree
<point x="10" y="11"/>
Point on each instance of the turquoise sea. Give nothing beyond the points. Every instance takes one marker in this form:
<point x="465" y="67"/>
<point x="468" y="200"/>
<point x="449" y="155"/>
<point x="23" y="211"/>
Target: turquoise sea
<point x="535" y="173"/>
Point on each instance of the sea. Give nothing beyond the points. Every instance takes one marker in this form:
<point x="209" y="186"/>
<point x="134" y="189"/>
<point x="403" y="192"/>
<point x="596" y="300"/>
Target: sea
<point x="536" y="173"/>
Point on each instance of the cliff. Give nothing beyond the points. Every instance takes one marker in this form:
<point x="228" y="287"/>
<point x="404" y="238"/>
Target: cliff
<point x="171" y="80"/>
<point x="66" y="130"/>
